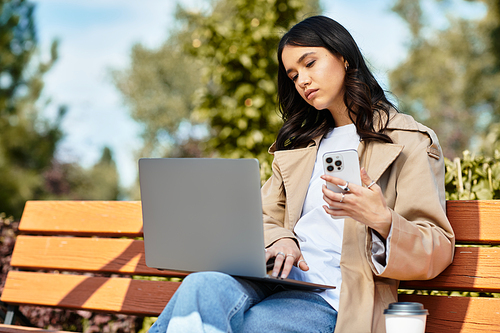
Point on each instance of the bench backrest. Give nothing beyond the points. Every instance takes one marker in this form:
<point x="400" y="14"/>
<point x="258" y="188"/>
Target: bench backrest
<point x="475" y="269"/>
<point x="61" y="241"/>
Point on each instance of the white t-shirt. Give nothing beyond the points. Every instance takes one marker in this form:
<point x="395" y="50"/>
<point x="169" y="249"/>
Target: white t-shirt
<point x="320" y="236"/>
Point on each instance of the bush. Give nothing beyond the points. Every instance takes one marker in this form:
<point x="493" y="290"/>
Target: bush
<point x="473" y="177"/>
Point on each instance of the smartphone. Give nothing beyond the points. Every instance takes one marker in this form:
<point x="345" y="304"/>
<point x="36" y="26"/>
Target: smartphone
<point x="343" y="164"/>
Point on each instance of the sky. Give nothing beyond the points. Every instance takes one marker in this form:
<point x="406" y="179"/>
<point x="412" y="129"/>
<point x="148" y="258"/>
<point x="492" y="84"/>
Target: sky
<point x="96" y="37"/>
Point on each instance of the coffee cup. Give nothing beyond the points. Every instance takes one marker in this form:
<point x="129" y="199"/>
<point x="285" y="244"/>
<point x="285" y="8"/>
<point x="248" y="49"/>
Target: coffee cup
<point x="408" y="317"/>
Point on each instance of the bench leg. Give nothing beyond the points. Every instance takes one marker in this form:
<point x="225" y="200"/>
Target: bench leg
<point x="12" y="313"/>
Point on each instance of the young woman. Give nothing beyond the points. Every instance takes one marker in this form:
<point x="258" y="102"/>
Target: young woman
<point x="363" y="241"/>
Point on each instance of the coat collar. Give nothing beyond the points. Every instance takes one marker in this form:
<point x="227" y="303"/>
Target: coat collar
<point x="297" y="166"/>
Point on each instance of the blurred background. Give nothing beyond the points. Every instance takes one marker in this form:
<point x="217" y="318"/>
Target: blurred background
<point x="89" y="86"/>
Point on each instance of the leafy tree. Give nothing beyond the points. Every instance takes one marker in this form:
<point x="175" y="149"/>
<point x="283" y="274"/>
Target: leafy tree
<point x="238" y="42"/>
<point x="218" y="69"/>
<point x="27" y="142"/>
<point x="450" y="79"/>
<point x="71" y="181"/>
<point x="159" y="88"/>
<point x="495" y="29"/>
<point x="104" y="177"/>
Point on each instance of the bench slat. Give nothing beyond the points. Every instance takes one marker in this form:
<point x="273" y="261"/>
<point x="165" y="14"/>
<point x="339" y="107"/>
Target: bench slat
<point x="473" y="269"/>
<point x="475" y="221"/>
<point x="125" y="256"/>
<point x="112" y="295"/>
<point x="94" y="218"/>
<point x="459" y="314"/>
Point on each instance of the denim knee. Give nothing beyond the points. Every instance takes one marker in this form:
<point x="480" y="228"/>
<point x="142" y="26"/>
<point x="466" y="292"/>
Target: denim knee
<point x="206" y="282"/>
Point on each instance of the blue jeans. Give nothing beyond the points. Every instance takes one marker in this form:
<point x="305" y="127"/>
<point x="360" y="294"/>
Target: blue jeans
<point x="218" y="303"/>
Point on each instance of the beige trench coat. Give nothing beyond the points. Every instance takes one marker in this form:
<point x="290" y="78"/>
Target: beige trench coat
<point x="410" y="172"/>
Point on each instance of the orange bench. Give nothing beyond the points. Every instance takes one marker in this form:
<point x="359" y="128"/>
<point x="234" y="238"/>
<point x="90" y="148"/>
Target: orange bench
<point x="475" y="268"/>
<point x="61" y="241"/>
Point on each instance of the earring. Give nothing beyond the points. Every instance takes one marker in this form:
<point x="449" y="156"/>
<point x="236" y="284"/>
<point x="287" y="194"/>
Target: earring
<point x="346" y="66"/>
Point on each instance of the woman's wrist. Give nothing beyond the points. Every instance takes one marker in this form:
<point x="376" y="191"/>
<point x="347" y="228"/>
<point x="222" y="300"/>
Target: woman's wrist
<point x="383" y="228"/>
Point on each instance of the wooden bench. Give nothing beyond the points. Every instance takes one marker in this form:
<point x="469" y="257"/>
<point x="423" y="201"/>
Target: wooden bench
<point x="60" y="242"/>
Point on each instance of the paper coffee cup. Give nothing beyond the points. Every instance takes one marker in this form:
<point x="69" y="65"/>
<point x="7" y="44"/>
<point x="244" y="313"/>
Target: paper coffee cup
<point x="408" y="317"/>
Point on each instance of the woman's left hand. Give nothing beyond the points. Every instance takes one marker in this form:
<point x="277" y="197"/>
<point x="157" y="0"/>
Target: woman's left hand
<point x="364" y="204"/>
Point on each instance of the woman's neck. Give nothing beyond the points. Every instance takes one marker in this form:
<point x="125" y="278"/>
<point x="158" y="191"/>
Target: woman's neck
<point x="341" y="116"/>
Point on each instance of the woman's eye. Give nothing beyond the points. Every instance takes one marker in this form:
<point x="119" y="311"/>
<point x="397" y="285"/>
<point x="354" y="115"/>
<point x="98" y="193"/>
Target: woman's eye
<point x="294" y="78"/>
<point x="309" y="64"/>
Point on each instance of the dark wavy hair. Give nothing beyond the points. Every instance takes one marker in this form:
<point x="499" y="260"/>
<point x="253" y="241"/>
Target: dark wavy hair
<point x="363" y="95"/>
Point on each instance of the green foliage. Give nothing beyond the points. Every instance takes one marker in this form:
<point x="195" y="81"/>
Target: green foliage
<point x="217" y="71"/>
<point x="491" y="140"/>
<point x="473" y="177"/>
<point x="27" y="142"/>
<point x="159" y="88"/>
<point x="237" y="42"/>
<point x="71" y="181"/>
<point x="495" y="29"/>
<point x="450" y="80"/>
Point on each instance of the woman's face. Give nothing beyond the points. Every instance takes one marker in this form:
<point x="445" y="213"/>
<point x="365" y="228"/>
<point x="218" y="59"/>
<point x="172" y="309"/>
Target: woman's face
<point x="318" y="76"/>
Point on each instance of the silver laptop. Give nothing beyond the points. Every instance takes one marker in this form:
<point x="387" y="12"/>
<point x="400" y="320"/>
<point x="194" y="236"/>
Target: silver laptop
<point x="205" y="214"/>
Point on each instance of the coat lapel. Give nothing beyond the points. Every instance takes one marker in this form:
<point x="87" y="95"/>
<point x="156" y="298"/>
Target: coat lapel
<point x="376" y="157"/>
<point x="296" y="168"/>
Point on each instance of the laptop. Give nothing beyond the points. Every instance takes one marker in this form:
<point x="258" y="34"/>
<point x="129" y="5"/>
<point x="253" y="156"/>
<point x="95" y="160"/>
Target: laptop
<point x="205" y="214"/>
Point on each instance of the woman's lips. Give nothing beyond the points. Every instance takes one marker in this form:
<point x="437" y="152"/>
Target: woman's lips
<point x="311" y="93"/>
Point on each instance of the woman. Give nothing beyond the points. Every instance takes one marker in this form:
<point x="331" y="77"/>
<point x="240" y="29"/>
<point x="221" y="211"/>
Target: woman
<point x="395" y="226"/>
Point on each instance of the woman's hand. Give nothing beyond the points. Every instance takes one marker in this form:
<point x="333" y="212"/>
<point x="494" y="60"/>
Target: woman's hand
<point x="286" y="254"/>
<point x="364" y="204"/>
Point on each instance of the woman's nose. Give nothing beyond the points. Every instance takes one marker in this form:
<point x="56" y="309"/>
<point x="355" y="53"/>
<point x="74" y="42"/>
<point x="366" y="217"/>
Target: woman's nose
<point x="304" y="81"/>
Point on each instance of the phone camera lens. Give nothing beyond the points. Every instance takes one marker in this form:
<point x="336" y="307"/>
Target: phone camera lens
<point x="338" y="163"/>
<point x="329" y="168"/>
<point x="329" y="160"/>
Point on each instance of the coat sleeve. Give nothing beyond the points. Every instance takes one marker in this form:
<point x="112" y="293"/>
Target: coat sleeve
<point x="422" y="242"/>
<point x="274" y="208"/>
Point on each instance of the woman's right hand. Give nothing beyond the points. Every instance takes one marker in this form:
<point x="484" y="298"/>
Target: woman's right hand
<point x="286" y="254"/>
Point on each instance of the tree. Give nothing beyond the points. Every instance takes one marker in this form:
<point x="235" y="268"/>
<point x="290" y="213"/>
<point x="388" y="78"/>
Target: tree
<point x="159" y="88"/>
<point x="218" y="69"/>
<point x="238" y="42"/>
<point x="27" y="142"/>
<point x="71" y="181"/>
<point x="450" y="79"/>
